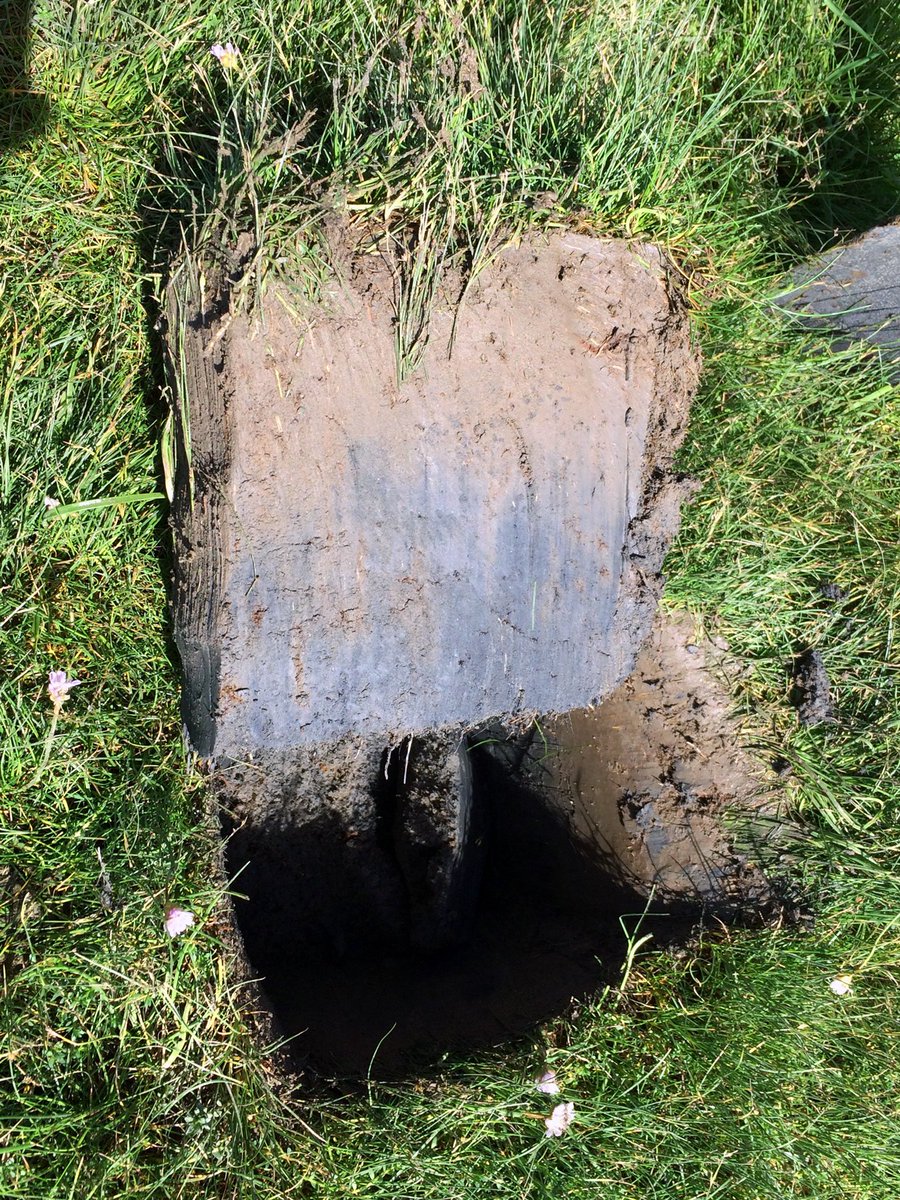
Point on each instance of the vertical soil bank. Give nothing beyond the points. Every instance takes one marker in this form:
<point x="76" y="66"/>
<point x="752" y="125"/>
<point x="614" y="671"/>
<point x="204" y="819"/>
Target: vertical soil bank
<point x="380" y="581"/>
<point x="360" y="557"/>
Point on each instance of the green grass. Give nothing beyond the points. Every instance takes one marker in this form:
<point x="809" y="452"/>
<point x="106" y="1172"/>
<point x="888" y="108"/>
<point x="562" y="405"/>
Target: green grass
<point x="740" y="135"/>
<point x="800" y="456"/>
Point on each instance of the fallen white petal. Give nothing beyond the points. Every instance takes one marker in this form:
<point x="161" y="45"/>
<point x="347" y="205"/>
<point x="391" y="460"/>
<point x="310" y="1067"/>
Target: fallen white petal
<point x="178" y="920"/>
<point x="560" y="1119"/>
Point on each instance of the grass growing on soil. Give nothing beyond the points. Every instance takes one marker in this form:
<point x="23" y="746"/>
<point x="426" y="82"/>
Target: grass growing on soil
<point x="738" y="135"/>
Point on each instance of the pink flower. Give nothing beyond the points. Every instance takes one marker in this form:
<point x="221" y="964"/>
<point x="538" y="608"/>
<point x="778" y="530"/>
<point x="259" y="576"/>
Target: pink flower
<point x="227" y="54"/>
<point x="560" y="1119"/>
<point x="178" y="920"/>
<point x="547" y="1084"/>
<point x="59" y="686"/>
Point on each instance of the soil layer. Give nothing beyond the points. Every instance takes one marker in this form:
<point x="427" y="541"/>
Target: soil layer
<point x="606" y="820"/>
<point x="365" y="557"/>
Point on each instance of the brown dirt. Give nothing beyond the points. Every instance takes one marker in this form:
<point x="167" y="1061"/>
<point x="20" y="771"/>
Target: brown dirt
<point x="653" y="774"/>
<point x="385" y="591"/>
<point x="483" y="539"/>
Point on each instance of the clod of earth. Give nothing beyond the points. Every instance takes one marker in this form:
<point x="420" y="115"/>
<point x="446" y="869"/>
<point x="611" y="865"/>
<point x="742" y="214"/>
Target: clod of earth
<point x="387" y="592"/>
<point x="811" y="689"/>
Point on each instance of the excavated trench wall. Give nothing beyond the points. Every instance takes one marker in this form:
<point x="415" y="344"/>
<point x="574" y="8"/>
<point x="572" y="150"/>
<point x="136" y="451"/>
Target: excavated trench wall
<point x="364" y="557"/>
<point x="375" y="576"/>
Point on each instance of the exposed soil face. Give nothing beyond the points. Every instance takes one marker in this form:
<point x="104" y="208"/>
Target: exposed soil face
<point x="651" y="772"/>
<point x="387" y="593"/>
<point x="482" y="539"/>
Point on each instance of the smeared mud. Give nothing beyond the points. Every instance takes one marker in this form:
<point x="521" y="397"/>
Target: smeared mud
<point x="653" y="773"/>
<point x="410" y="597"/>
<point x="363" y="555"/>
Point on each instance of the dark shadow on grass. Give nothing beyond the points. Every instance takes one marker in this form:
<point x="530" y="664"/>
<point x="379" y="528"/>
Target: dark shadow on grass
<point x="23" y="112"/>
<point x="857" y="183"/>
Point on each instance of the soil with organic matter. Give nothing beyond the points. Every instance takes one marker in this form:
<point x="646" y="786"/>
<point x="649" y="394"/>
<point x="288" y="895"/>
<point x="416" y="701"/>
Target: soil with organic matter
<point x="360" y="556"/>
<point x="413" y="579"/>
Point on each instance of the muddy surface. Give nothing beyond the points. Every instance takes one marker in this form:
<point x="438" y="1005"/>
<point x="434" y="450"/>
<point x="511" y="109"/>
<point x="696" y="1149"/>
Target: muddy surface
<point x="811" y="689"/>
<point x="364" y="556"/>
<point x="651" y="776"/>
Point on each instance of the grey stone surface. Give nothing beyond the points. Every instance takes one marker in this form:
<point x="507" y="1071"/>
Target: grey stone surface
<point x="853" y="292"/>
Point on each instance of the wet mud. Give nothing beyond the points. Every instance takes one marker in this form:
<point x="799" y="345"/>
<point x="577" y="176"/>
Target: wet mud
<point x="359" y="555"/>
<point x="454" y="759"/>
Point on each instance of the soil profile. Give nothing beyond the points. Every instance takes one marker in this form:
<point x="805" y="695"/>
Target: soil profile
<point x="407" y="609"/>
<point x="362" y="556"/>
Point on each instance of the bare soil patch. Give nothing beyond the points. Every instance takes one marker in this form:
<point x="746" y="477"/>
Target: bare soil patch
<point x="485" y="538"/>
<point x="654" y="773"/>
<point x="410" y="614"/>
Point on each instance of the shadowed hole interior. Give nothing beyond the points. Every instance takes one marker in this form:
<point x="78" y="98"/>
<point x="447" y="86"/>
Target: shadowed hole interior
<point x="538" y="912"/>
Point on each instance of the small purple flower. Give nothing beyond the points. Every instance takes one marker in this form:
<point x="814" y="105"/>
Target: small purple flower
<point x="227" y="55"/>
<point x="59" y="686"/>
<point x="560" y="1119"/>
<point x="178" y="920"/>
<point x="547" y="1084"/>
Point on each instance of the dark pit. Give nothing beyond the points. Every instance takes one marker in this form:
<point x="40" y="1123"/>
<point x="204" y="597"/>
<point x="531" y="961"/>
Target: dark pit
<point x="456" y="892"/>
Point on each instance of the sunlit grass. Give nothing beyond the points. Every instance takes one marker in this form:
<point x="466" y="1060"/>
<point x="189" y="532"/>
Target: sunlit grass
<point x="738" y="135"/>
<point x="798" y="447"/>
